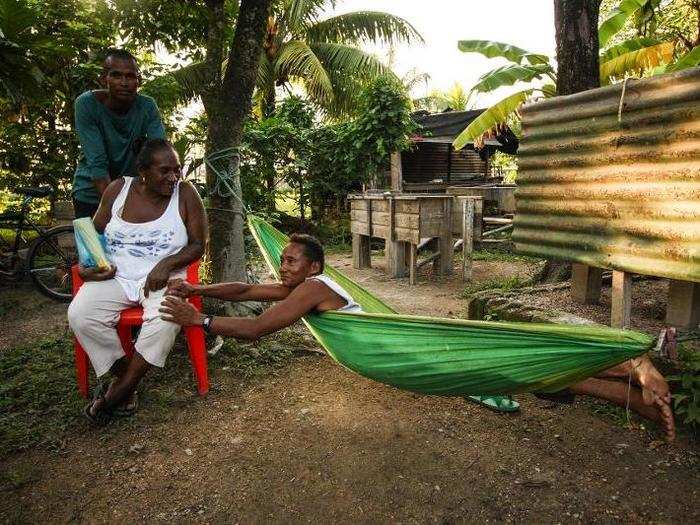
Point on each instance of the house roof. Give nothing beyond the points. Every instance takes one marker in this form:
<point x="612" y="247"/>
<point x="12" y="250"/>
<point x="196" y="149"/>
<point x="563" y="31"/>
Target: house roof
<point x="444" y="127"/>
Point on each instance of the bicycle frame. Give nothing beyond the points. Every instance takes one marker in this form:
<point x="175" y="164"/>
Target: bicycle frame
<point x="20" y="225"/>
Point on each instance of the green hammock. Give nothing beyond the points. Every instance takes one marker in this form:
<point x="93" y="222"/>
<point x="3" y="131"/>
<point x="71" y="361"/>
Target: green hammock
<point x="454" y="357"/>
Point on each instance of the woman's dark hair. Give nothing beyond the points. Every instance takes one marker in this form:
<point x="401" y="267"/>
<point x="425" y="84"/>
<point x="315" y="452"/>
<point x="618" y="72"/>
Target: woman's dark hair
<point x="313" y="250"/>
<point x="145" y="148"/>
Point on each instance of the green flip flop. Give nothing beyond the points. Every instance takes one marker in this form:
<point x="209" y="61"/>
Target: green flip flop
<point x="495" y="403"/>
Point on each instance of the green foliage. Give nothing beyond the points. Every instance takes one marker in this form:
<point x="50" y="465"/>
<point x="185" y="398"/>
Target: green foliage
<point x="491" y="118"/>
<point x="343" y="156"/>
<point x="663" y="39"/>
<point x="492" y="49"/>
<point x="181" y="27"/>
<point x="60" y="39"/>
<point x="511" y="74"/>
<point x="635" y="55"/>
<point x="617" y="18"/>
<point x="686" y="399"/>
<point x="690" y="59"/>
<point x="455" y="99"/>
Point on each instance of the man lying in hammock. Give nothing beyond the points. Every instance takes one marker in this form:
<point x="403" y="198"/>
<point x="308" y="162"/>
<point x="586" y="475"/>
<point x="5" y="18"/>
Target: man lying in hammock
<point x="305" y="289"/>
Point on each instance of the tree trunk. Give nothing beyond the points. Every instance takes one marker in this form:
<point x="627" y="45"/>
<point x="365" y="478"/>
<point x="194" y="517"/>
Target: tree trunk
<point x="576" y="25"/>
<point x="578" y="69"/>
<point x="228" y="105"/>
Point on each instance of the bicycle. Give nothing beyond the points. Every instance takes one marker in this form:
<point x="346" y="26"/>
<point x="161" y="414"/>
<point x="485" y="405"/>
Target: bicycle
<point x="49" y="257"/>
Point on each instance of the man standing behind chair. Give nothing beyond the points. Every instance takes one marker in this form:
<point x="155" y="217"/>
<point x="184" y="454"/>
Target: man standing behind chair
<point x="108" y="123"/>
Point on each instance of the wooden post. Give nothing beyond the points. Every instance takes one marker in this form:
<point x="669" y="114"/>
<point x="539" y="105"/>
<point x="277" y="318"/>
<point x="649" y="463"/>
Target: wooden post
<point x="361" y="253"/>
<point x="443" y="264"/>
<point x="412" y="262"/>
<point x="683" y="307"/>
<point x="395" y="258"/>
<point x="478" y="218"/>
<point x="621" y="300"/>
<point x="585" y="283"/>
<point x="467" y="237"/>
<point x="396" y="173"/>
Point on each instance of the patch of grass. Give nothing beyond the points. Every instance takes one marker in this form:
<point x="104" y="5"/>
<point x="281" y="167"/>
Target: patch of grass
<point x="505" y="284"/>
<point x="502" y="256"/>
<point x="39" y="401"/>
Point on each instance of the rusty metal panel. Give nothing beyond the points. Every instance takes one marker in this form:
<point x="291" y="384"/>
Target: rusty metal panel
<point x="611" y="177"/>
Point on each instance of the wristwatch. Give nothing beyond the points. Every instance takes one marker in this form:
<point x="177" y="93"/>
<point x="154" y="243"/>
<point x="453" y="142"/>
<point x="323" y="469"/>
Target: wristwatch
<point x="206" y="323"/>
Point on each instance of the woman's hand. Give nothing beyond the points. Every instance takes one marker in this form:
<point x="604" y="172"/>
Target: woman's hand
<point x="180" y="312"/>
<point x="181" y="288"/>
<point x="93" y="273"/>
<point x="157" y="279"/>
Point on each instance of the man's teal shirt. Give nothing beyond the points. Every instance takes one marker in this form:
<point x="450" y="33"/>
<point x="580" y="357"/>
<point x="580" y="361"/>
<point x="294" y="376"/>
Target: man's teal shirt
<point x="107" y="141"/>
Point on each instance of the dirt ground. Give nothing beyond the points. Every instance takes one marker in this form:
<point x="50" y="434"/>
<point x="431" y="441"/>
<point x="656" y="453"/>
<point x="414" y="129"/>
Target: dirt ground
<point x="314" y="442"/>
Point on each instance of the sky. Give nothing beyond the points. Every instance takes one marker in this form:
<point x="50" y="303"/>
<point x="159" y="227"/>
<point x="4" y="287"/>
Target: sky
<point x="528" y="24"/>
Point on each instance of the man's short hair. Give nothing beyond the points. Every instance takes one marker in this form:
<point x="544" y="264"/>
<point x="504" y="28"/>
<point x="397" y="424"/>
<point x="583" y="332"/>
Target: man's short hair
<point x="313" y="249"/>
<point x="119" y="54"/>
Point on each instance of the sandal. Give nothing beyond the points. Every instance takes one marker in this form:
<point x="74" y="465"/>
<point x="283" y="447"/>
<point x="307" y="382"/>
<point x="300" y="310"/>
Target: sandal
<point x="99" y="418"/>
<point x="128" y="408"/>
<point x="495" y="403"/>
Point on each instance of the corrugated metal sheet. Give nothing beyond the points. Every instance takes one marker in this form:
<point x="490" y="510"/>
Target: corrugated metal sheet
<point x="620" y="193"/>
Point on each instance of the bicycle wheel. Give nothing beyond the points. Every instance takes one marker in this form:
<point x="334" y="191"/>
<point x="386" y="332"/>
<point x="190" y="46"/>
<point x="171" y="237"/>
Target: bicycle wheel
<point x="49" y="262"/>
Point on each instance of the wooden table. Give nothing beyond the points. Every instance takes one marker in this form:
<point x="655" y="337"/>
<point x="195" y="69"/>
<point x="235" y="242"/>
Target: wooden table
<point x="402" y="220"/>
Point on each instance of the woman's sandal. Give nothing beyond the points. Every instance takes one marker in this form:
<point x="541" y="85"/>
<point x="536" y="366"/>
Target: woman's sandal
<point x="128" y="408"/>
<point x="101" y="417"/>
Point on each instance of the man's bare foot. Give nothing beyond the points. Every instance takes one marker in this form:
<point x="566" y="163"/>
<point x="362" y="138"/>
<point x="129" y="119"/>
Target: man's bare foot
<point x="653" y="384"/>
<point x="623" y="395"/>
<point x="666" y="418"/>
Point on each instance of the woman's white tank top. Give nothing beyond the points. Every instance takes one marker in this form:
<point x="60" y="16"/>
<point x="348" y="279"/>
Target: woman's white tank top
<point x="135" y="248"/>
<point x="351" y="305"/>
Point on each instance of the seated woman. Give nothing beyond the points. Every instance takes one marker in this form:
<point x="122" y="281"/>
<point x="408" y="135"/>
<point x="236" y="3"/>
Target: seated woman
<point x="154" y="226"/>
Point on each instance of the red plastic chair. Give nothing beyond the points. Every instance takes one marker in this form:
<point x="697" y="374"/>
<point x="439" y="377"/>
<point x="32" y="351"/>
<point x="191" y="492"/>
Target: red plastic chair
<point x="134" y="317"/>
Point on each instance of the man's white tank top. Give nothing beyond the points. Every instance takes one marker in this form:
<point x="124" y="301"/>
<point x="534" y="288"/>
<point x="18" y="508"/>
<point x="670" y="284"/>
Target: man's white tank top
<point x="135" y="248"/>
<point x="351" y="306"/>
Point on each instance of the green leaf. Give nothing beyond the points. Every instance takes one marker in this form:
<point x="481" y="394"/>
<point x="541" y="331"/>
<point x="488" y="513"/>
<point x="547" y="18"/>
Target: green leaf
<point x="491" y="49"/>
<point x="549" y="90"/>
<point x="616" y="21"/>
<point x="349" y="69"/>
<point x="185" y="83"/>
<point x="510" y="74"/>
<point x="363" y="26"/>
<point x="297" y="59"/>
<point x="493" y="116"/>
<point x="690" y="59"/>
<point x="638" y="58"/>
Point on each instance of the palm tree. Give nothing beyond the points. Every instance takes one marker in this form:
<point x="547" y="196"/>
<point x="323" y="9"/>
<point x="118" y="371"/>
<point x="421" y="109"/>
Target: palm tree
<point x="640" y="56"/>
<point x="454" y="99"/>
<point x="322" y="55"/>
<point x="319" y="55"/>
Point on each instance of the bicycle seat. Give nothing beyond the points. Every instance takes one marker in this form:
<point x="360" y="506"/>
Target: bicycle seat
<point x="43" y="191"/>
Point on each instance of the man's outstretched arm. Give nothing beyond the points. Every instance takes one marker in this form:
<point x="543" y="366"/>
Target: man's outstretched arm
<point x="301" y="301"/>
<point x="229" y="291"/>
